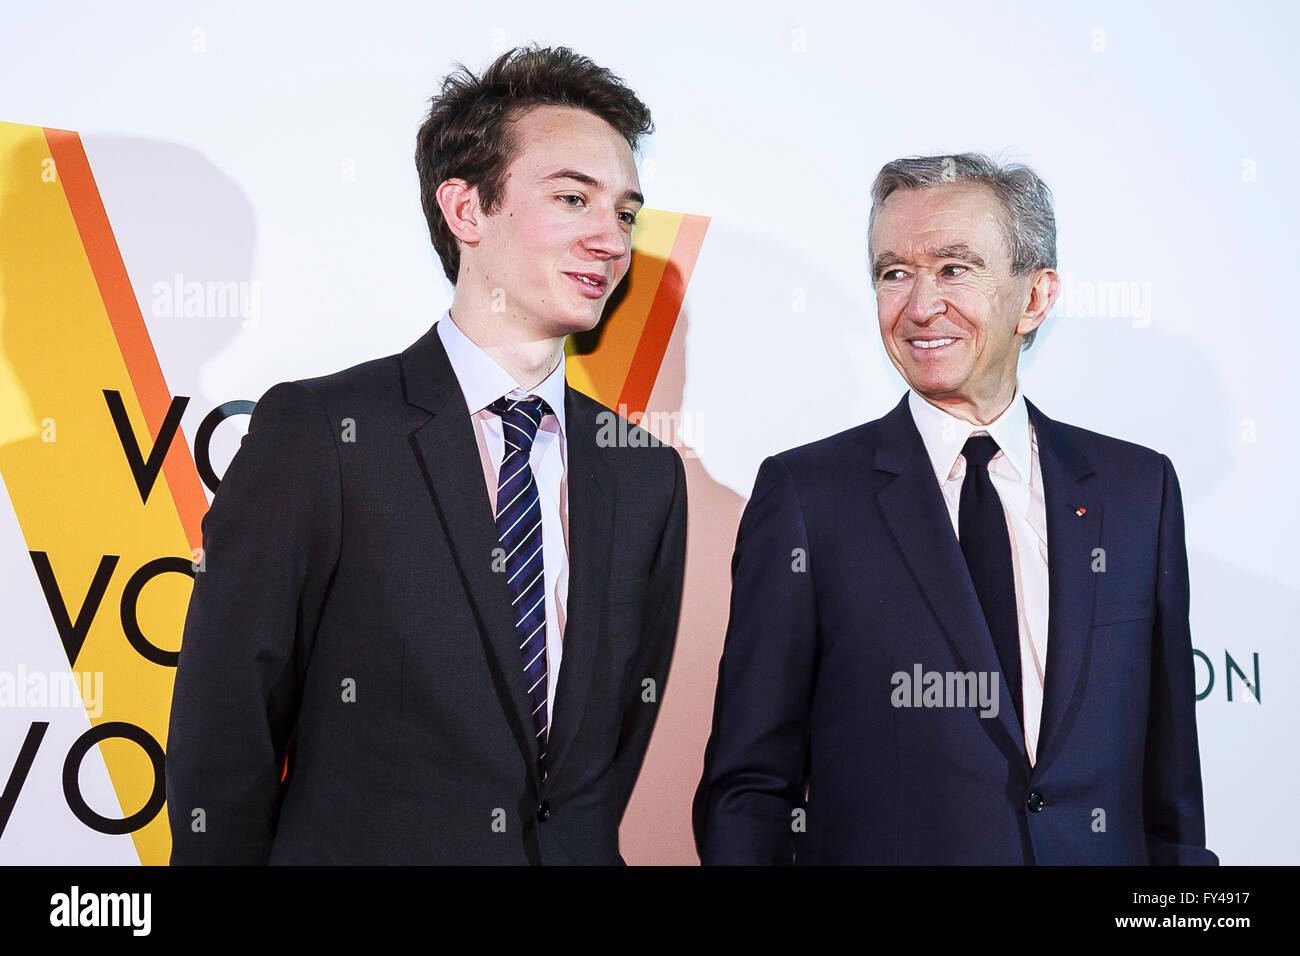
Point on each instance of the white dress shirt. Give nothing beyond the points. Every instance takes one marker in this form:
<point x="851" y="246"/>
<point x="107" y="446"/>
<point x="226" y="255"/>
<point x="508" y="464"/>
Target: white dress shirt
<point x="1018" y="478"/>
<point x="482" y="382"/>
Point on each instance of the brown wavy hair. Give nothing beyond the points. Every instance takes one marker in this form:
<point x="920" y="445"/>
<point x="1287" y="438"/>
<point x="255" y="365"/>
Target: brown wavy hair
<point x="468" y="133"/>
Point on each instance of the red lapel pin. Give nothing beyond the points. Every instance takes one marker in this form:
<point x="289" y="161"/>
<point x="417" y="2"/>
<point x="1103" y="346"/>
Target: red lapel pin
<point x="1080" y="511"/>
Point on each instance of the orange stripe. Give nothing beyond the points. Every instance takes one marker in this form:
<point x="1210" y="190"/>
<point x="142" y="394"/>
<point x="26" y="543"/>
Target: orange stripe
<point x="665" y="308"/>
<point x="128" y="324"/>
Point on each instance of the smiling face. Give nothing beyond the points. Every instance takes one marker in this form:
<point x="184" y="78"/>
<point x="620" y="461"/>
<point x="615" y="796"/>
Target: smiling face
<point x="560" y="240"/>
<point x="951" y="313"/>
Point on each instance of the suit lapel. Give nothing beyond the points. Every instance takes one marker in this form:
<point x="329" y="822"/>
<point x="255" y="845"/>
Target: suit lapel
<point x="591" y="488"/>
<point x="1071" y="538"/>
<point x="448" y="454"/>
<point x="917" y="515"/>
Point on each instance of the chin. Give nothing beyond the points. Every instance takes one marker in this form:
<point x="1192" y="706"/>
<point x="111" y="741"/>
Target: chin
<point x="584" y="321"/>
<point x="568" y="322"/>
<point x="932" y="378"/>
<point x="931" y="384"/>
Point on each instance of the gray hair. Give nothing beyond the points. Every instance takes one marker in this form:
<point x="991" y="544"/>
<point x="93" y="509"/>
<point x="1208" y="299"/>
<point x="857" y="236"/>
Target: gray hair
<point x="1029" y="222"/>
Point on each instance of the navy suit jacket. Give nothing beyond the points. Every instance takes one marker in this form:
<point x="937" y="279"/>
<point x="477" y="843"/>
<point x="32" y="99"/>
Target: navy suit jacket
<point x="847" y="571"/>
<point x="351" y="620"/>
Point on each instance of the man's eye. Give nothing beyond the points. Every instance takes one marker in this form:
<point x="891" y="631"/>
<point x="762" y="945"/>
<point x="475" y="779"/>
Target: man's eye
<point x="565" y="199"/>
<point x="628" y="217"/>
<point x="890" y="274"/>
<point x="952" y="271"/>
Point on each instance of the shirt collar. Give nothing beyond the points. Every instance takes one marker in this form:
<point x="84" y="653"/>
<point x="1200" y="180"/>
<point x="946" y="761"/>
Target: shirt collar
<point x="483" y="381"/>
<point x="944" y="435"/>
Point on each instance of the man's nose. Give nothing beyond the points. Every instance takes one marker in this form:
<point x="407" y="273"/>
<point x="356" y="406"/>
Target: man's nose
<point x="925" y="300"/>
<point x="606" y="237"/>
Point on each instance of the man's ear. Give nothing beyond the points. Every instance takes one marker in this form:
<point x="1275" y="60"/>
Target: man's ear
<point x="460" y="207"/>
<point x="1043" y="292"/>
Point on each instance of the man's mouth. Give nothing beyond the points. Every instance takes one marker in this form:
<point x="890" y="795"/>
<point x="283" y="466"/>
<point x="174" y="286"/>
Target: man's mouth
<point x="591" y="284"/>
<point x="929" y="345"/>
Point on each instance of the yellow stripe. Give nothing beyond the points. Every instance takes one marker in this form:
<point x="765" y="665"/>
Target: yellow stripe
<point x="74" y="496"/>
<point x="601" y="374"/>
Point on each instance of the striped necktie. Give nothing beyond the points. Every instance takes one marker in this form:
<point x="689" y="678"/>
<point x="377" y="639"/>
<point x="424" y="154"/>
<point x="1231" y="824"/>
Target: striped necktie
<point x="519" y="529"/>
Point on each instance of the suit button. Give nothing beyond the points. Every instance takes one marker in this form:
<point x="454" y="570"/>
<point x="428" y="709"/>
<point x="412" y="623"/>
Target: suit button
<point x="1035" y="803"/>
<point x="543" y="812"/>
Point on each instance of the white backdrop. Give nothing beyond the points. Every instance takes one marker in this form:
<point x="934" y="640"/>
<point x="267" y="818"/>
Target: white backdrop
<point x="272" y="144"/>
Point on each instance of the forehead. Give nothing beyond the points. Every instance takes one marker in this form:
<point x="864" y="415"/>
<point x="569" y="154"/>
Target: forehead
<point x="548" y="138"/>
<point x="913" y="220"/>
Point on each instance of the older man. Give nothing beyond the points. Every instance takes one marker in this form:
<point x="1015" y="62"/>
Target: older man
<point x="959" y="633"/>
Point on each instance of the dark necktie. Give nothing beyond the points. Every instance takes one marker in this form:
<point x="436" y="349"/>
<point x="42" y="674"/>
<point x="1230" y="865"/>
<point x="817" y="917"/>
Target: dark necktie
<point x="519" y="529"/>
<point x="982" y="529"/>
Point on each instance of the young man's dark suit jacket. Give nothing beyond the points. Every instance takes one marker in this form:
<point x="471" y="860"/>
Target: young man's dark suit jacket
<point x="349" y="617"/>
<point x="804" y="689"/>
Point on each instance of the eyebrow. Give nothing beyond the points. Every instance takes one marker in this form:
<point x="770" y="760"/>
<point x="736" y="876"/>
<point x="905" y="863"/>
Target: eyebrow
<point x="579" y="177"/>
<point x="958" y="250"/>
<point x="884" y="261"/>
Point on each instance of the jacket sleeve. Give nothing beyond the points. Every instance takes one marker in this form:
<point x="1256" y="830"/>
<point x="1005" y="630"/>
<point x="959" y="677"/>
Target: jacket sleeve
<point x="663" y="607"/>
<point x="1173" y="809"/>
<point x="270" y="544"/>
<point x="754" y="767"/>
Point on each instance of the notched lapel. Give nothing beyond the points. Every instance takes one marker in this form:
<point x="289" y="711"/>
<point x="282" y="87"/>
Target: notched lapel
<point x="1071" y="540"/>
<point x="917" y="515"/>
<point x="449" y="459"/>
<point x="592" y="487"/>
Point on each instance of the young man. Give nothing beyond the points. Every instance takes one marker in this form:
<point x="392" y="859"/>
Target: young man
<point x="429" y="593"/>
<point x="981" y="651"/>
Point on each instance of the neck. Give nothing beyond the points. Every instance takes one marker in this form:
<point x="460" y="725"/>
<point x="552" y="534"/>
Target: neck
<point x="509" y="340"/>
<point x="978" y="410"/>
